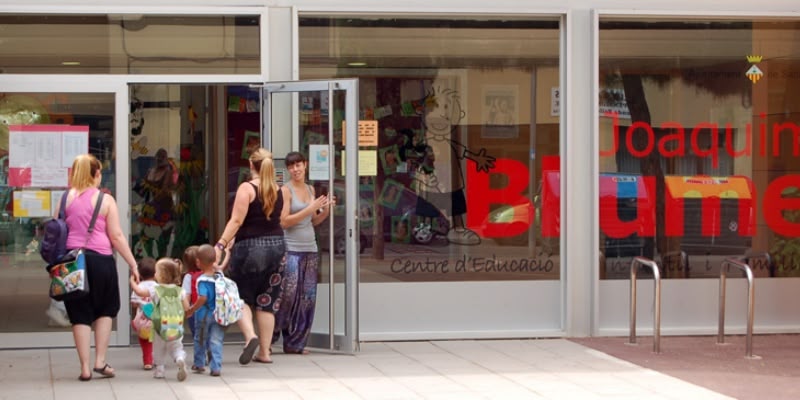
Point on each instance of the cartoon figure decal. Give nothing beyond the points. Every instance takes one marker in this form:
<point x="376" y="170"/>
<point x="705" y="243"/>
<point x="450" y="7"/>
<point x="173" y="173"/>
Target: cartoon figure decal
<point x="440" y="179"/>
<point x="136" y="121"/>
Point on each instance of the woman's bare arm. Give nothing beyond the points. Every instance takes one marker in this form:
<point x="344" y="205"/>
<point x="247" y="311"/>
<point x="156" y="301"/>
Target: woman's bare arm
<point x="244" y="196"/>
<point x="289" y="219"/>
<point x="115" y="235"/>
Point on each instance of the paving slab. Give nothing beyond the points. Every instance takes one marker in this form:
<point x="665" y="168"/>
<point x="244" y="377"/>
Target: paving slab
<point x="464" y="369"/>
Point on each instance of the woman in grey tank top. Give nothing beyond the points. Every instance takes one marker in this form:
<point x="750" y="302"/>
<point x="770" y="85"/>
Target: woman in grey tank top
<point x="296" y="313"/>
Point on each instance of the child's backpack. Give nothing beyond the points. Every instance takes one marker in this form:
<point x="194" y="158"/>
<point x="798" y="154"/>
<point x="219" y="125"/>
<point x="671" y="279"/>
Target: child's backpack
<point x="194" y="275"/>
<point x="142" y="325"/>
<point x="167" y="313"/>
<point x="228" y="306"/>
<point x="54" y="240"/>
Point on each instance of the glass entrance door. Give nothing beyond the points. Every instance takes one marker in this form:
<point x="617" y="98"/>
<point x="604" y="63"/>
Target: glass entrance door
<point x="321" y="115"/>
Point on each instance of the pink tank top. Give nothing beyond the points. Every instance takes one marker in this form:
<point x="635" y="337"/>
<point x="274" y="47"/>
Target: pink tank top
<point x="79" y="214"/>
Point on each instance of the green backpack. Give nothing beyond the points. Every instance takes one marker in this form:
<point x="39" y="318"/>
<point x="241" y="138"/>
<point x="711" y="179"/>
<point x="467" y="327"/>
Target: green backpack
<point x="167" y="313"/>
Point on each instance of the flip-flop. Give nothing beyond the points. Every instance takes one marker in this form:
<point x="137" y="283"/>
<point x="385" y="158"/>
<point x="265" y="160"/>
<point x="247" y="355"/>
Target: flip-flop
<point x="84" y="378"/>
<point x="104" y="371"/>
<point x="249" y="351"/>
<point x="258" y="360"/>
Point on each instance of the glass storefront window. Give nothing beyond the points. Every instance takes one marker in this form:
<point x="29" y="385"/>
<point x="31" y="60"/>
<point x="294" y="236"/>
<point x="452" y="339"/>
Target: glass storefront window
<point x="39" y="135"/>
<point x="129" y="44"/>
<point x="699" y="132"/>
<point x="468" y="128"/>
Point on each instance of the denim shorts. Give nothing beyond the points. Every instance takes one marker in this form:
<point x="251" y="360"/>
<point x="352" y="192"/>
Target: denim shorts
<point x="257" y="266"/>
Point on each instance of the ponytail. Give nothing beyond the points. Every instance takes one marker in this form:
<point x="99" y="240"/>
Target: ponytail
<point x="268" y="192"/>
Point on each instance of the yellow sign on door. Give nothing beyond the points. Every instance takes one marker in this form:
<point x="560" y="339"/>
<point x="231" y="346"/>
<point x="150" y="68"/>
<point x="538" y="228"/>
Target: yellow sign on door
<point x="367" y="132"/>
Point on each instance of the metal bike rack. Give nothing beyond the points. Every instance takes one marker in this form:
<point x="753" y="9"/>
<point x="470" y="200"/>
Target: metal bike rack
<point x="752" y="256"/>
<point x="657" y="313"/>
<point x="750" y="302"/>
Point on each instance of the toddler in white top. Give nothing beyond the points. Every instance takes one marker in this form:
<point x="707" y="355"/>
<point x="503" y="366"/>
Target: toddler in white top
<point x="168" y="275"/>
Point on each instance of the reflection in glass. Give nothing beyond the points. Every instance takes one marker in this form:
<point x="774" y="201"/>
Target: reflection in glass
<point x="129" y="44"/>
<point x="707" y="132"/>
<point x="24" y="297"/>
<point x="460" y="111"/>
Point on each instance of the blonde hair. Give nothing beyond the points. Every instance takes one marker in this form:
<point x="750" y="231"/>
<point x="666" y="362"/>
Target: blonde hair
<point x="168" y="271"/>
<point x="268" y="192"/>
<point x="84" y="169"/>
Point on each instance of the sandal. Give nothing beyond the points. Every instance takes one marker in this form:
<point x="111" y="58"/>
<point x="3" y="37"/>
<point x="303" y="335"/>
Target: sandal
<point x="84" y="378"/>
<point x="147" y="367"/>
<point x="249" y="351"/>
<point x="106" y="371"/>
<point x="303" y="352"/>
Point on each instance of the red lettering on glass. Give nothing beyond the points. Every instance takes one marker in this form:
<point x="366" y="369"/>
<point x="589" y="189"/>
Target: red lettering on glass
<point x="776" y="140"/>
<point x="644" y="224"/>
<point x="673" y="218"/>
<point x="748" y="141"/>
<point x="480" y="197"/>
<point x="651" y="138"/>
<point x="775" y="204"/>
<point x="678" y="135"/>
<point x="615" y="137"/>
<point x="713" y="149"/>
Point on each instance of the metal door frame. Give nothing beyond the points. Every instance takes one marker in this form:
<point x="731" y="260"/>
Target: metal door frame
<point x="349" y="342"/>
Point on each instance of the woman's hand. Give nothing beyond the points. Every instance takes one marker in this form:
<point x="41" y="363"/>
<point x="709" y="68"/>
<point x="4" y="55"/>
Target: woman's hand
<point x="327" y="205"/>
<point x="319" y="203"/>
<point x="135" y="275"/>
<point x="218" y="255"/>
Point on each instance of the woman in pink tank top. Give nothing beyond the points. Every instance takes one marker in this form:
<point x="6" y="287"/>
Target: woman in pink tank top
<point x="98" y="308"/>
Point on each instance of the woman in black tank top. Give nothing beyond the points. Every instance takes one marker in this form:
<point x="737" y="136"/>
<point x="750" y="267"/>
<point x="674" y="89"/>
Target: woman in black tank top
<point x="258" y="254"/>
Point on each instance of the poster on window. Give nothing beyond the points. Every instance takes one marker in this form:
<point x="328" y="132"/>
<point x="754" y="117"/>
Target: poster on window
<point x="500" y="112"/>
<point x="318" y="162"/>
<point x="612" y="100"/>
<point x="32" y="203"/>
<point x="42" y="155"/>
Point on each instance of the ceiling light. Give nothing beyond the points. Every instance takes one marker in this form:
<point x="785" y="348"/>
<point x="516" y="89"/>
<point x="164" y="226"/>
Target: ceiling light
<point x="357" y="64"/>
<point x="70" y="63"/>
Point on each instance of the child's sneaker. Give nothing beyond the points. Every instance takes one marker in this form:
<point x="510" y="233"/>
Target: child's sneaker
<point x="181" y="370"/>
<point x="159" y="372"/>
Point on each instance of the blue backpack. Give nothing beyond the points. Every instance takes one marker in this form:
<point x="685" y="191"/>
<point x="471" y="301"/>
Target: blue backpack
<point x="54" y="241"/>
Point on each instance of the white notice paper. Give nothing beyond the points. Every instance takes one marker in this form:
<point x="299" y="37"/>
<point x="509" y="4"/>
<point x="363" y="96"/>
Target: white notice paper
<point x="318" y="162"/>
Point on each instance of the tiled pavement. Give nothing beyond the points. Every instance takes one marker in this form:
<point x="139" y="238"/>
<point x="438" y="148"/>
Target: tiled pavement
<point x="472" y="369"/>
